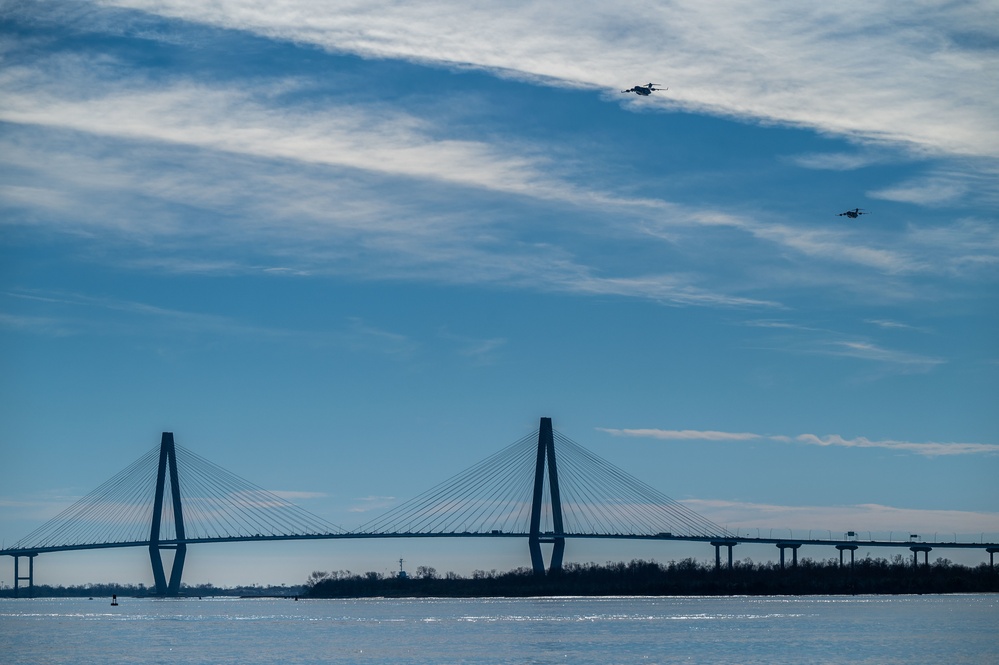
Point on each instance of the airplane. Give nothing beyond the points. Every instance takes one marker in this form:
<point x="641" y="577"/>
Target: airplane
<point x="645" y="90"/>
<point x="853" y="214"/>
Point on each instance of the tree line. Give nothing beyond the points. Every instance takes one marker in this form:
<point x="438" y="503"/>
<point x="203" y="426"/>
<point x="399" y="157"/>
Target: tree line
<point x="687" y="577"/>
<point x="108" y="589"/>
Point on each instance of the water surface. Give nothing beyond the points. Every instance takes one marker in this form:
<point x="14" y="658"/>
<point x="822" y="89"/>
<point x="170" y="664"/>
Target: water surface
<point x="855" y="630"/>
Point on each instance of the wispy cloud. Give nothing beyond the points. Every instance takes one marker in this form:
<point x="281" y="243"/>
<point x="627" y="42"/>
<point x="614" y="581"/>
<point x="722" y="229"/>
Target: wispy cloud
<point x="77" y="313"/>
<point x="670" y="289"/>
<point x="875" y="71"/>
<point x="886" y="323"/>
<point x="232" y="135"/>
<point x="938" y="191"/>
<point x="800" y="338"/>
<point x="869" y="351"/>
<point x="72" y="316"/>
<point x="43" y="325"/>
<point x="835" y="246"/>
<point x="947" y="183"/>
<point x="879" y="521"/>
<point x="478" y="350"/>
<point x="966" y="248"/>
<point x="38" y="507"/>
<point x="368" y="503"/>
<point x="682" y="435"/>
<point x="777" y="324"/>
<point x="365" y="335"/>
<point x="294" y="495"/>
<point x="833" y="161"/>
<point x="231" y="120"/>
<point x="320" y="185"/>
<point x="483" y="348"/>
<point x="928" y="449"/>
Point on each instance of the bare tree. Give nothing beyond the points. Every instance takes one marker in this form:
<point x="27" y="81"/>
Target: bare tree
<point x="426" y="573"/>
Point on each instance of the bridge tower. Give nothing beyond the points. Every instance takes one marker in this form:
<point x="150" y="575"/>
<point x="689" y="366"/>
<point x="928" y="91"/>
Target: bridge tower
<point x="167" y="464"/>
<point x="546" y="452"/>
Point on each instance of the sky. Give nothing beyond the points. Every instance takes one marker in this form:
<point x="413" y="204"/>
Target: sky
<point x="347" y="249"/>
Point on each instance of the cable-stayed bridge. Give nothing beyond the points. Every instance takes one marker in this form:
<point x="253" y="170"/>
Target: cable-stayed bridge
<point x="171" y="498"/>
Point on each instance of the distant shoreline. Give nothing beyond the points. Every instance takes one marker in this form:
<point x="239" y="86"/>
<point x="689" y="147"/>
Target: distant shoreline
<point x="684" y="578"/>
<point x="638" y="578"/>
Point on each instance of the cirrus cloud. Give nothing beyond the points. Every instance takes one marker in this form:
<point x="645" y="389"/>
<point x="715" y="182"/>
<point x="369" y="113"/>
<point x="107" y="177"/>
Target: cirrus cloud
<point x="929" y="449"/>
<point x="878" y="71"/>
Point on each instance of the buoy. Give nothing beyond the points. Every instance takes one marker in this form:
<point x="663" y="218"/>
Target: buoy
<point x="114" y="599"/>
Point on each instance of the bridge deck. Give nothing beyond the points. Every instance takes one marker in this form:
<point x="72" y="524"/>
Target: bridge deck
<point x="787" y="542"/>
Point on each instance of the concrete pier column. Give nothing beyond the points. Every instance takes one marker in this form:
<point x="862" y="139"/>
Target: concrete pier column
<point x="916" y="549"/>
<point x="718" y="545"/>
<point x="30" y="578"/>
<point x="794" y="553"/>
<point x="841" y="548"/>
<point x="992" y="556"/>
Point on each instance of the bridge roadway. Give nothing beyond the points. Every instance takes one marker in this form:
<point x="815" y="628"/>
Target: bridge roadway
<point x="724" y="540"/>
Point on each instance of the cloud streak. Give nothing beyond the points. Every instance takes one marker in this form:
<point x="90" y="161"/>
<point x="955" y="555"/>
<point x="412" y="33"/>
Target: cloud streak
<point x="294" y="495"/>
<point x="875" y="71"/>
<point x="368" y="503"/>
<point x="231" y="120"/>
<point x="928" y="449"/>
<point x="682" y="435"/>
<point x="290" y="151"/>
<point x="799" y="338"/>
<point x="75" y="313"/>
<point x="879" y="521"/>
<point x="312" y="183"/>
<point x="870" y="351"/>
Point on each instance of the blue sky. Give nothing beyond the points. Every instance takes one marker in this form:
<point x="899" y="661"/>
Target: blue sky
<point x="346" y="250"/>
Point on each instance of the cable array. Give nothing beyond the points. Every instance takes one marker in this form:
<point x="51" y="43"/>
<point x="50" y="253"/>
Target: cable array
<point x="496" y="495"/>
<point x="118" y="511"/>
<point x="599" y="498"/>
<point x="216" y="504"/>
<point x="493" y="495"/>
<point x="220" y="504"/>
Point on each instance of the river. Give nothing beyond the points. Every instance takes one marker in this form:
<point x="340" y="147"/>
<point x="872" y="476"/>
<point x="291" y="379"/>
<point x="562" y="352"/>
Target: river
<point x="854" y="630"/>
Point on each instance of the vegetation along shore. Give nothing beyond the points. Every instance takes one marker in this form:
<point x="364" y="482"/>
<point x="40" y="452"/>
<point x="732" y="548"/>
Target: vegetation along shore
<point x="687" y="577"/>
<point x="677" y="578"/>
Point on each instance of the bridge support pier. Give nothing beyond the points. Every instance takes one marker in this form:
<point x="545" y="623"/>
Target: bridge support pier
<point x="992" y="556"/>
<point x="30" y="578"/>
<point x="718" y="545"/>
<point x="546" y="452"/>
<point x="852" y="548"/>
<point x="794" y="553"/>
<point x="538" y="559"/>
<point x="916" y="549"/>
